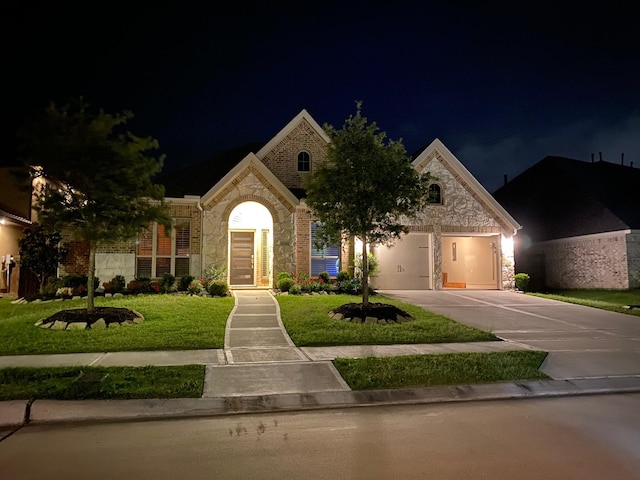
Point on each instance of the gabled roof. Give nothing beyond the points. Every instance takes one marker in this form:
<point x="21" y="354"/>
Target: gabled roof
<point x="561" y="197"/>
<point x="439" y="151"/>
<point x="251" y="164"/>
<point x="288" y="128"/>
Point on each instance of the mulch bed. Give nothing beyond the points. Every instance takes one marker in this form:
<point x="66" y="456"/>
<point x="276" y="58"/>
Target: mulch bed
<point x="109" y="314"/>
<point x="375" y="310"/>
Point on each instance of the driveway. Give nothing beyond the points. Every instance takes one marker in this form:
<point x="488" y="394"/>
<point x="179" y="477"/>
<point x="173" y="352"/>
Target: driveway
<point x="582" y="341"/>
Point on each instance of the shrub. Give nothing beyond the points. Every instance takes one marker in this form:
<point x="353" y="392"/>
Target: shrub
<point x="295" y="289"/>
<point x="166" y="283"/>
<point x="284" y="284"/>
<point x="154" y="287"/>
<point x="218" y="288"/>
<point x="78" y="283"/>
<point x="195" y="287"/>
<point x="51" y="287"/>
<point x="343" y="275"/>
<point x="139" y="285"/>
<point x="326" y="278"/>
<point x="522" y="281"/>
<point x="115" y="285"/>
<point x="214" y="273"/>
<point x="183" y="283"/>
<point x="372" y="263"/>
<point x="282" y="275"/>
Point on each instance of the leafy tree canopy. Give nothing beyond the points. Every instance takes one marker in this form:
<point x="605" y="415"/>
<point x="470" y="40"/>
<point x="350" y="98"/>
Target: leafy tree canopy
<point x="97" y="176"/>
<point x="41" y="252"/>
<point x="366" y="188"/>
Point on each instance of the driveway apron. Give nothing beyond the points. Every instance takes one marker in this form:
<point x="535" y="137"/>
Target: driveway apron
<point x="260" y="357"/>
<point x="582" y="342"/>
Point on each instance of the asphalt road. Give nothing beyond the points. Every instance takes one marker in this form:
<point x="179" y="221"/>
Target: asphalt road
<point x="588" y="437"/>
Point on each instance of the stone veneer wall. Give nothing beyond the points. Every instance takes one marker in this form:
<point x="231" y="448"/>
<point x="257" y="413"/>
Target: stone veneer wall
<point x="248" y="187"/>
<point x="303" y="221"/>
<point x="282" y="160"/>
<point x="590" y="261"/>
<point x="461" y="212"/>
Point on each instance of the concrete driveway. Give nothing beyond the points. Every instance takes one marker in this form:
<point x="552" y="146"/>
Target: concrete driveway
<point x="582" y="342"/>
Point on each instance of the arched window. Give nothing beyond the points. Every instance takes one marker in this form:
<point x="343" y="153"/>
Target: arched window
<point x="304" y="162"/>
<point x="435" y="194"/>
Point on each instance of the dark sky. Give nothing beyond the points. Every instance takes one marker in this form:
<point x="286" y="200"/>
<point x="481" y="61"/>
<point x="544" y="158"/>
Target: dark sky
<point x="502" y="84"/>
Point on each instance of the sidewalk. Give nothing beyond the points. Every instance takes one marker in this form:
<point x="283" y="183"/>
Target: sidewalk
<point x="260" y="369"/>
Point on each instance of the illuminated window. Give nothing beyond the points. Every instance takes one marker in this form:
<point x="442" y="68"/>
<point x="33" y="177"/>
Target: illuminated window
<point x="325" y="259"/>
<point x="159" y="253"/>
<point x="304" y="162"/>
<point x="435" y="194"/>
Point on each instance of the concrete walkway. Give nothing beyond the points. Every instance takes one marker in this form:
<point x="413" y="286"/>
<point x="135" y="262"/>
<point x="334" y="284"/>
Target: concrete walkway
<point x="261" y="369"/>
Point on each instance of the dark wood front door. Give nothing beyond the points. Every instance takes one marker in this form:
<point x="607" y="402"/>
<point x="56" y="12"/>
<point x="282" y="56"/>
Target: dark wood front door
<point x="241" y="264"/>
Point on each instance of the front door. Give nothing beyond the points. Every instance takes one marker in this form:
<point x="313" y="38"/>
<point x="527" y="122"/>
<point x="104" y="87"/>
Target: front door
<point x="242" y="261"/>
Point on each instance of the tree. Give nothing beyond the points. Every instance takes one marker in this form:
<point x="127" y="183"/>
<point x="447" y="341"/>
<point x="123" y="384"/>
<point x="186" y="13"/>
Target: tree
<point x="41" y="252"/>
<point x="365" y="189"/>
<point x="98" y="177"/>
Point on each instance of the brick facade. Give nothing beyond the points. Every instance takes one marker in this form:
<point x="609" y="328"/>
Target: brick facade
<point x="608" y="260"/>
<point x="283" y="159"/>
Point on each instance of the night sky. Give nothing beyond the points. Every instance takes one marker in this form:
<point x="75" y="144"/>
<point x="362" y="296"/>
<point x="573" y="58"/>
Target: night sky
<point x="502" y="86"/>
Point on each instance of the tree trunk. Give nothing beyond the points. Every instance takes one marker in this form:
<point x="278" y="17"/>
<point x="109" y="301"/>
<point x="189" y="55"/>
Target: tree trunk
<point x="91" y="276"/>
<point x="365" y="274"/>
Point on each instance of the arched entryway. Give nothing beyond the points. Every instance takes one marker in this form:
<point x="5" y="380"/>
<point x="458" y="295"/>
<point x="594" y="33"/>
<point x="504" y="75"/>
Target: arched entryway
<point x="250" y="245"/>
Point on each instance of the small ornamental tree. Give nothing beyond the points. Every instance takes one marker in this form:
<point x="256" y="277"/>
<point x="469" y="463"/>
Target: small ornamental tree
<point x="367" y="188"/>
<point x="96" y="177"/>
<point x="41" y="253"/>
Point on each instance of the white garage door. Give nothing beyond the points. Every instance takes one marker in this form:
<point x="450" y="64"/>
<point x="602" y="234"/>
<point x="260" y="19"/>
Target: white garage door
<point x="406" y="265"/>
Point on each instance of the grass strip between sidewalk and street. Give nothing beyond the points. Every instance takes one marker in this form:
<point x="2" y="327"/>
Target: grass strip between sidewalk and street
<point x="307" y="322"/>
<point x="612" y="300"/>
<point x="409" y="371"/>
<point x="118" y="383"/>
<point x="171" y="322"/>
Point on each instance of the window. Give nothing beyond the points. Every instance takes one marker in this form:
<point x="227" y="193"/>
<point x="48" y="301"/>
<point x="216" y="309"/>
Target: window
<point x="326" y="259"/>
<point x="158" y="253"/>
<point x="435" y="194"/>
<point x="304" y="162"/>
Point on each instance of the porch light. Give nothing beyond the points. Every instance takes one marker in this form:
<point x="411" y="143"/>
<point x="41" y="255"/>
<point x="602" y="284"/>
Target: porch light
<point x="507" y="247"/>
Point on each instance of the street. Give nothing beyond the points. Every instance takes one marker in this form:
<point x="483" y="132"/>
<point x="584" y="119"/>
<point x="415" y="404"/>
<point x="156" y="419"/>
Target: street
<point x="586" y="437"/>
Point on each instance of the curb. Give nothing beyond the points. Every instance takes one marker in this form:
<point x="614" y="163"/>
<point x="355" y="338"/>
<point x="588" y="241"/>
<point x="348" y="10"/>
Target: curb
<point x="21" y="413"/>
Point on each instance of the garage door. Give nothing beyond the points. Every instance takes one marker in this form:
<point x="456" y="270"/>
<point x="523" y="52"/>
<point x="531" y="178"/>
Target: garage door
<point x="406" y="265"/>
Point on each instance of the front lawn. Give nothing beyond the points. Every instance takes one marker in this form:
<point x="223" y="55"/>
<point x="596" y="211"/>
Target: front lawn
<point x="80" y="383"/>
<point x="612" y="300"/>
<point x="308" y="324"/>
<point x="172" y="322"/>
<point x="446" y="369"/>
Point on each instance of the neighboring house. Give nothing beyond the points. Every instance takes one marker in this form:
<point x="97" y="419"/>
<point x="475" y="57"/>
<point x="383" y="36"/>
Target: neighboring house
<point x="581" y="223"/>
<point x="245" y="211"/>
<point x="15" y="216"/>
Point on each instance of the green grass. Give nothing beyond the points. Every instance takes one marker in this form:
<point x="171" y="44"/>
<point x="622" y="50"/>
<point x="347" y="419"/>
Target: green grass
<point x="447" y="369"/>
<point x="172" y="322"/>
<point x="64" y="383"/>
<point x="612" y="300"/>
<point x="308" y="324"/>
